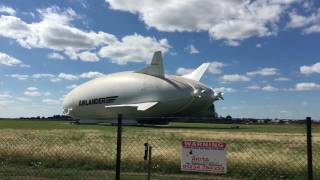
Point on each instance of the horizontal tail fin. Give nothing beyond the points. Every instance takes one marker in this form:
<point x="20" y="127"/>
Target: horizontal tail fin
<point x="140" y="106"/>
<point x="198" y="73"/>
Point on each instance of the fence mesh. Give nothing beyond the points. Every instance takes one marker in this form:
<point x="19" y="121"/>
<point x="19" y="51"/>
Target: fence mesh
<point x="90" y="154"/>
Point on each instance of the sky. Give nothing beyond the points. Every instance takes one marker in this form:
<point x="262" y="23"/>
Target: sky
<point x="263" y="54"/>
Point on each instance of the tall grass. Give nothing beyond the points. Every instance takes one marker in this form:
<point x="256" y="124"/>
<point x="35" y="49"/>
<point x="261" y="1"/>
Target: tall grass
<point x="250" y="155"/>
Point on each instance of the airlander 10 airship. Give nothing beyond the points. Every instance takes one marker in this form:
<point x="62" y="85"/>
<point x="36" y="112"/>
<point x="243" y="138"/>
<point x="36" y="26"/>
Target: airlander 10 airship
<point x="147" y="96"/>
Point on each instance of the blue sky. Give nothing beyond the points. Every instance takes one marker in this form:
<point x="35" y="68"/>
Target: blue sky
<point x="264" y="54"/>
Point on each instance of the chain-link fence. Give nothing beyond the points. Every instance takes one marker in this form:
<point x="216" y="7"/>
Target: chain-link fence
<point x="90" y="154"/>
<point x="250" y="156"/>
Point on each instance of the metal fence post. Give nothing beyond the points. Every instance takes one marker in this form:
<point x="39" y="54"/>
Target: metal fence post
<point x="309" y="148"/>
<point x="119" y="138"/>
<point x="149" y="163"/>
<point x="146" y="149"/>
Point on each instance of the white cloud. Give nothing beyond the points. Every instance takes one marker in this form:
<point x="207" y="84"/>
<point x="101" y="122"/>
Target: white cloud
<point x="234" y="78"/>
<point x="232" y="43"/>
<point x="59" y="77"/>
<point x="7" y="10"/>
<point x="258" y="45"/>
<point x="55" y="56"/>
<point x="51" y="101"/>
<point x="25" y="65"/>
<point x="282" y="79"/>
<point x="315" y="68"/>
<point x="235" y="108"/>
<point x="264" y="72"/>
<point x="23" y="99"/>
<point x="91" y="75"/>
<point x="183" y="71"/>
<point x="88" y="56"/>
<point x="61" y="35"/>
<point x="307" y="86"/>
<point x="72" y="86"/>
<point x="269" y="88"/>
<point x="134" y="48"/>
<point x="253" y="87"/>
<point x="5" y="102"/>
<point x="7" y="60"/>
<point x="32" y="88"/>
<point x="55" y="31"/>
<point x="5" y="99"/>
<point x="236" y="30"/>
<point x="55" y="80"/>
<point x="32" y="93"/>
<point x="285" y="111"/>
<point x="310" y="24"/>
<point x="38" y="75"/>
<point x="215" y="67"/>
<point x="69" y="77"/>
<point x="52" y="77"/>
<point x="231" y="21"/>
<point x="313" y="29"/>
<point x="192" y="49"/>
<point x="297" y="20"/>
<point x="5" y="96"/>
<point x="225" y="90"/>
<point x="21" y="77"/>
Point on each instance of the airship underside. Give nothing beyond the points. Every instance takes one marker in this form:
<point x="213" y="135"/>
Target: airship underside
<point x="146" y="95"/>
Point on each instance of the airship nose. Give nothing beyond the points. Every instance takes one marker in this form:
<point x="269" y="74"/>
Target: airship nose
<point x="67" y="104"/>
<point x="67" y="101"/>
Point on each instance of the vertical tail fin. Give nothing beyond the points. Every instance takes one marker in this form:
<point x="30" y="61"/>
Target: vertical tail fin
<point x="156" y="66"/>
<point x="198" y="73"/>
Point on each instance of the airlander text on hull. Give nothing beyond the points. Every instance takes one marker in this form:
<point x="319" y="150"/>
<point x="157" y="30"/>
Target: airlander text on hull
<point x="146" y="95"/>
<point x="103" y="100"/>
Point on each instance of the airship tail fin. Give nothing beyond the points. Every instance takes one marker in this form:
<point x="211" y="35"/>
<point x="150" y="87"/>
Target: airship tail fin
<point x="198" y="73"/>
<point x="156" y="66"/>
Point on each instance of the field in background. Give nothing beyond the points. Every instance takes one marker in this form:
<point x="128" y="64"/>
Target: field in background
<point x="259" y="128"/>
<point x="56" y="148"/>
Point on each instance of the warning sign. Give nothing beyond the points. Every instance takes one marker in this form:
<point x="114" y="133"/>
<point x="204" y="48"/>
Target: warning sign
<point x="204" y="156"/>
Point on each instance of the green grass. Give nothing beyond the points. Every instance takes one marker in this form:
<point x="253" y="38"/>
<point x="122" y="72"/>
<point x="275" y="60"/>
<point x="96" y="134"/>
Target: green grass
<point x="56" y="147"/>
<point x="22" y="172"/>
<point x="38" y="124"/>
<point x="258" y="128"/>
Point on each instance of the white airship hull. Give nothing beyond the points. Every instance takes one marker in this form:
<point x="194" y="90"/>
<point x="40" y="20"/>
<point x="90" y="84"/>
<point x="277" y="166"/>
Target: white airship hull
<point x="172" y="97"/>
<point x="147" y="94"/>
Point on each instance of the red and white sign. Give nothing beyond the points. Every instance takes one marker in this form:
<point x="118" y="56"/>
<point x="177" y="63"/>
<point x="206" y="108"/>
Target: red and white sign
<point x="204" y="156"/>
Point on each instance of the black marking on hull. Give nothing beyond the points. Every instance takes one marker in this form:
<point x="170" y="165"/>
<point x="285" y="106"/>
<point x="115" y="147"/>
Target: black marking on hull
<point x="102" y="100"/>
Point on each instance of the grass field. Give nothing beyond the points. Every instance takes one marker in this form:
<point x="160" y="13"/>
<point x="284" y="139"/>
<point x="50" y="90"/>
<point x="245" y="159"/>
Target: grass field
<point x="54" y="148"/>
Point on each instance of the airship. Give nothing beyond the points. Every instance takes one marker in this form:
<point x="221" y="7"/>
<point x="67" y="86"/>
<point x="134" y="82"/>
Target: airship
<point x="147" y="96"/>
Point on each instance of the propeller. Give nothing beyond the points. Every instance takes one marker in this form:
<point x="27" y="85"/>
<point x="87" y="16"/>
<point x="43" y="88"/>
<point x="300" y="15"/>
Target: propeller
<point x="217" y="95"/>
<point x="197" y="93"/>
